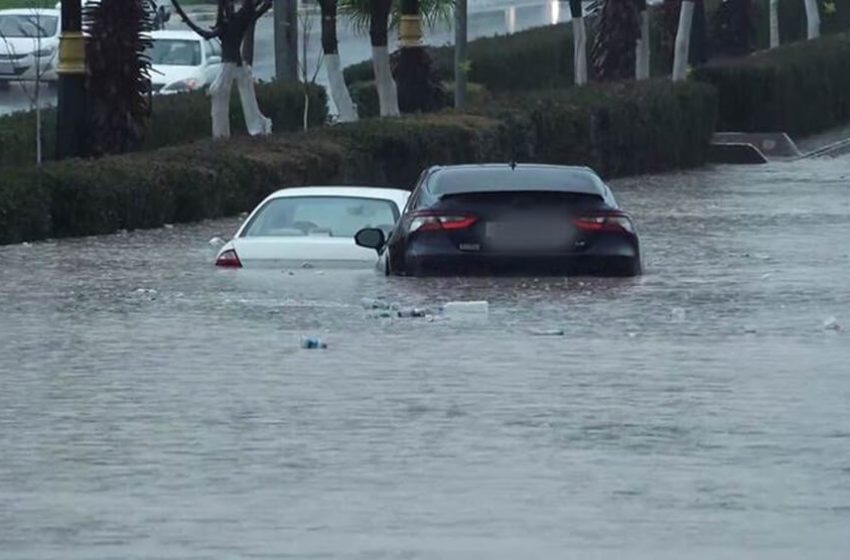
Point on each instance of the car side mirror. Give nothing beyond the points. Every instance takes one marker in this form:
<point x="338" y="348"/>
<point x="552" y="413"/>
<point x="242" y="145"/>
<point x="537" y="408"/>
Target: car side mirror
<point x="370" y="238"/>
<point x="213" y="60"/>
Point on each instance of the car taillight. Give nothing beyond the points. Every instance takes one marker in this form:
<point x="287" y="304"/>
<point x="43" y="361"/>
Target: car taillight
<point x="229" y="259"/>
<point x="615" y="222"/>
<point x="435" y="221"/>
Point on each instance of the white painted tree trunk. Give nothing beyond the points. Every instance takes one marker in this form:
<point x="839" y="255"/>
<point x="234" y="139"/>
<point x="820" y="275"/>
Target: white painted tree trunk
<point x="220" y="90"/>
<point x="387" y="90"/>
<point x="774" y="24"/>
<point x="642" y="48"/>
<point x="339" y="92"/>
<point x="813" y="19"/>
<point x="579" y="51"/>
<point x="683" y="41"/>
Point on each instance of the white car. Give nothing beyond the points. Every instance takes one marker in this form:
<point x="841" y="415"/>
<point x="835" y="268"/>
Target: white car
<point x="182" y="61"/>
<point x="313" y="226"/>
<point x="29" y="42"/>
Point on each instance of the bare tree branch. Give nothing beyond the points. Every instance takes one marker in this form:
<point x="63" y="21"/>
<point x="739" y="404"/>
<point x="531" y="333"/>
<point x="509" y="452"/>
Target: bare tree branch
<point x="263" y="7"/>
<point x="205" y="33"/>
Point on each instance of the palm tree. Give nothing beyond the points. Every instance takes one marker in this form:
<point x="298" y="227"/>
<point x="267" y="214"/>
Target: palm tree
<point x="683" y="41"/>
<point x="330" y="46"/>
<point x="617" y="35"/>
<point x="419" y="87"/>
<point x="375" y="14"/>
<point x="378" y="16"/>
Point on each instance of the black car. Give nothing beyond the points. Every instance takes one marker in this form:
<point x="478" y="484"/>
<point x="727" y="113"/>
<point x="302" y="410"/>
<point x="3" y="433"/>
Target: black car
<point x="509" y="219"/>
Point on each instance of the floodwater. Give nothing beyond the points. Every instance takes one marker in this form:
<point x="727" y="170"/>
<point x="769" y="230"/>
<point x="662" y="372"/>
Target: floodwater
<point x="152" y="406"/>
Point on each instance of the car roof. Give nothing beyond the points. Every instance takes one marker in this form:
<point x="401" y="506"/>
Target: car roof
<point x="458" y="179"/>
<point x="30" y="11"/>
<point x="175" y="34"/>
<point x="398" y="196"/>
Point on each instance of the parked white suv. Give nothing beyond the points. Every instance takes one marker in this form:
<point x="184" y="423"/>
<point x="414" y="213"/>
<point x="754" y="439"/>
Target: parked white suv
<point x="29" y="42"/>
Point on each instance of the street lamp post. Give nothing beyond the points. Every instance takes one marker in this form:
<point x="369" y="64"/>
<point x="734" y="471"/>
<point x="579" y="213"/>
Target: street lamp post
<point x="286" y="40"/>
<point x="72" y="137"/>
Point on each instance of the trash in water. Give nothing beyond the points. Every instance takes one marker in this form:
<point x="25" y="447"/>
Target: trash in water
<point x="831" y="324"/>
<point x="306" y="265"/>
<point x="25" y="244"/>
<point x="370" y="303"/>
<point x="750" y="330"/>
<point x="678" y="314"/>
<point x="380" y="314"/>
<point x="547" y="332"/>
<point x="217" y="241"/>
<point x="168" y="226"/>
<point x="313" y="343"/>
<point x="466" y="310"/>
<point x="412" y="313"/>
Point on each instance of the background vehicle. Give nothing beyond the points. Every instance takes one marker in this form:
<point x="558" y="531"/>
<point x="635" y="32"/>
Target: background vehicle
<point x="182" y="61"/>
<point x="29" y="42"/>
<point x="313" y="225"/>
<point x="509" y="219"/>
<point x="158" y="10"/>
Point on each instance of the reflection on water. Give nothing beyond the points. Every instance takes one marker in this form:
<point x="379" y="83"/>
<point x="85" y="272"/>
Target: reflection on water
<point x="152" y="406"/>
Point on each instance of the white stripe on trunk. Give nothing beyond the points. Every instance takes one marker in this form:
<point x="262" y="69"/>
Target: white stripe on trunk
<point x="813" y="18"/>
<point x="774" y="24"/>
<point x="387" y="91"/>
<point x="220" y="91"/>
<point x="683" y="41"/>
<point x="339" y="92"/>
<point x="642" y="48"/>
<point x="579" y="51"/>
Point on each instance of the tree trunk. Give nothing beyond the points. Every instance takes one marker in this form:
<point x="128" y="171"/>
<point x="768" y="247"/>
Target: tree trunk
<point x="461" y="65"/>
<point x="378" y="30"/>
<point x="248" y="46"/>
<point x="579" y="43"/>
<point x="774" y="23"/>
<point x="683" y="41"/>
<point x="333" y="66"/>
<point x="813" y="19"/>
<point x="642" y="50"/>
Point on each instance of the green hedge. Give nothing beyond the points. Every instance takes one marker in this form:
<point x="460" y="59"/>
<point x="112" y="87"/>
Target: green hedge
<point x="176" y="119"/>
<point x="618" y="130"/>
<point x="801" y="88"/>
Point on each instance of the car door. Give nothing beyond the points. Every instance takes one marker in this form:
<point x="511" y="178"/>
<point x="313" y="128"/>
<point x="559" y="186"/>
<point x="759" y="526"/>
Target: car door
<point x="212" y="61"/>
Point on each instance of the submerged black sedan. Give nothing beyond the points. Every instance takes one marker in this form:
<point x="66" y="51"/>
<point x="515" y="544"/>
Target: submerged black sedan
<point x="509" y="219"/>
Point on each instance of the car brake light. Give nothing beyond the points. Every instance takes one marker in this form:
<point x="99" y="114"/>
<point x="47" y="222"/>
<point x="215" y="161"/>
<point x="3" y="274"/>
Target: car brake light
<point x="615" y="222"/>
<point x="432" y="221"/>
<point x="229" y="259"/>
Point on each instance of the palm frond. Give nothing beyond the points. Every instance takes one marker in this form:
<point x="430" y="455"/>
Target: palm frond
<point x="434" y="12"/>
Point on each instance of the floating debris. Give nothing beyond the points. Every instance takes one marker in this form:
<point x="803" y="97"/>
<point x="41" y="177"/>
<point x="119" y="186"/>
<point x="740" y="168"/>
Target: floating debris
<point x="217" y="241"/>
<point x="547" y="332"/>
<point x="831" y="324"/>
<point x="313" y="343"/>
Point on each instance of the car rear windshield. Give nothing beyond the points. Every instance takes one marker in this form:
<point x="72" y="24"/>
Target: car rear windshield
<point x="465" y="180"/>
<point x="175" y="52"/>
<point x="334" y="216"/>
<point x="30" y="25"/>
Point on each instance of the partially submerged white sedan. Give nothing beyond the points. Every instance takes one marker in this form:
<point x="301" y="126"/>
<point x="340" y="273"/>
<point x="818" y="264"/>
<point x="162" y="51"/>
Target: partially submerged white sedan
<point x="313" y="226"/>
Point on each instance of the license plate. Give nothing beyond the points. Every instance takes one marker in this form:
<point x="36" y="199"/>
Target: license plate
<point x="6" y="68"/>
<point x="527" y="235"/>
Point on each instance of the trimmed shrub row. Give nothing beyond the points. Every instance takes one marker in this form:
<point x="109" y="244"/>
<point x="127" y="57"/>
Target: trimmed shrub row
<point x="175" y="119"/>
<point x="800" y="88"/>
<point x="652" y="127"/>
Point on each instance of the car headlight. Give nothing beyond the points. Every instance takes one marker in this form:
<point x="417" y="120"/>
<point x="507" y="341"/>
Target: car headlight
<point x="183" y="85"/>
<point x="41" y="53"/>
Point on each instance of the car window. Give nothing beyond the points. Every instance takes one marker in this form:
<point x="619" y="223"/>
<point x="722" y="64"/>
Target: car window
<point x="334" y="216"/>
<point x="28" y="25"/>
<point x="175" y="52"/>
<point x="215" y="48"/>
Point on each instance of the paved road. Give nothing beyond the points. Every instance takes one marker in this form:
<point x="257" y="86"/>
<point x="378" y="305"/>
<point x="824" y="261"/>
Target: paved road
<point x="500" y="17"/>
<point x="153" y="407"/>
